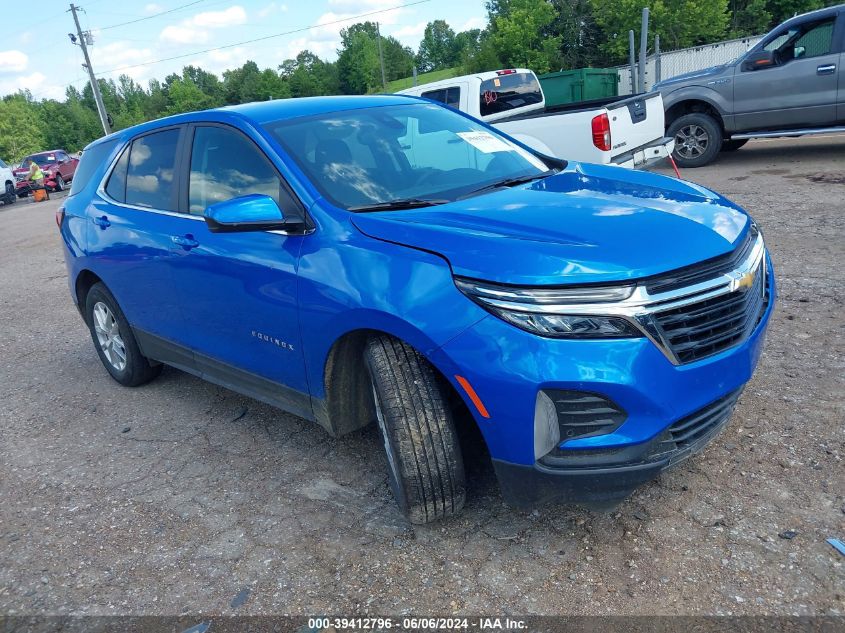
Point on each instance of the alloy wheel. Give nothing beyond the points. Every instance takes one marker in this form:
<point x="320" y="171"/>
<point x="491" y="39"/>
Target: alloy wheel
<point x="691" y="141"/>
<point x="108" y="336"/>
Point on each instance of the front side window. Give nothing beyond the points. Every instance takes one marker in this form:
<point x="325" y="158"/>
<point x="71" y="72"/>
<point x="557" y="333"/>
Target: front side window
<point x="804" y="40"/>
<point x="358" y="158"/>
<point x="225" y="165"/>
<point x="507" y="92"/>
<point x="149" y="177"/>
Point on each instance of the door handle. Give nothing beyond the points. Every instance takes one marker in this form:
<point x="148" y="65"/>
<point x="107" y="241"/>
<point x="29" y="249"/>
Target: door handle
<point x="102" y="222"/>
<point x="827" y="69"/>
<point x="185" y="241"/>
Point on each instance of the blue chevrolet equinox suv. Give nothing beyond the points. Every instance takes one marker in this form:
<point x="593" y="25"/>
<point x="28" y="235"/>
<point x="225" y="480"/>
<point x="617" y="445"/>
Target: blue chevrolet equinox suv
<point x="387" y="259"/>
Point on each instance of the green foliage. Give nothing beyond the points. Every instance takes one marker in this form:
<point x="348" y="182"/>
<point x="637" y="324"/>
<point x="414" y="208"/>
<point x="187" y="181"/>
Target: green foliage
<point x="438" y="48"/>
<point x="21" y="130"/>
<point x="358" y="67"/>
<point x="524" y="36"/>
<point x="680" y="23"/>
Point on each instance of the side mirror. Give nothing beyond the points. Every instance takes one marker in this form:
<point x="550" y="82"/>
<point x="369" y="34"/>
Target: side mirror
<point x="759" y="60"/>
<point x="255" y="212"/>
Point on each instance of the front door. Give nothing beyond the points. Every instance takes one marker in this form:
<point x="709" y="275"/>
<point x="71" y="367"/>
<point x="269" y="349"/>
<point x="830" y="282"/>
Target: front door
<point x="799" y="90"/>
<point x="238" y="290"/>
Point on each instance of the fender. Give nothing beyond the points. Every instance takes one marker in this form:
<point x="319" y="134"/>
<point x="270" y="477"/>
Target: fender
<point x="713" y="98"/>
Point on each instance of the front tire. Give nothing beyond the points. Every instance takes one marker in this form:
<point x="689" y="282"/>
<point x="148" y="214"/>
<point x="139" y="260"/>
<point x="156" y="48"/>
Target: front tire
<point x="698" y="139"/>
<point x="425" y="466"/>
<point x="114" y="341"/>
<point x="10" y="195"/>
<point x="60" y="184"/>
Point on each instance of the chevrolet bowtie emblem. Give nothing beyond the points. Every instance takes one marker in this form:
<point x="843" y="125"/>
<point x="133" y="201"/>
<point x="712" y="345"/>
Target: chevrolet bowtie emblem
<point x="745" y="281"/>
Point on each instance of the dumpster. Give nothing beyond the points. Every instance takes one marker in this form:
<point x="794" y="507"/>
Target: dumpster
<point x="581" y="84"/>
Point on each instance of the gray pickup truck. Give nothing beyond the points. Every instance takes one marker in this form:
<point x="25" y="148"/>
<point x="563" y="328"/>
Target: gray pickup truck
<point x="791" y="83"/>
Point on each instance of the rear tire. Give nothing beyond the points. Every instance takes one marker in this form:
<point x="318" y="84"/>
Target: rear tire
<point x="732" y="146"/>
<point x="698" y="139"/>
<point x="114" y="341"/>
<point x="425" y="466"/>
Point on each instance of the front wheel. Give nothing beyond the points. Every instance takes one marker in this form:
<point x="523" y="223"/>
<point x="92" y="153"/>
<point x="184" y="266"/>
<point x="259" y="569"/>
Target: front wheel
<point x="60" y="184"/>
<point x="698" y="139"/>
<point x="113" y="338"/>
<point x="10" y="196"/>
<point x="425" y="467"/>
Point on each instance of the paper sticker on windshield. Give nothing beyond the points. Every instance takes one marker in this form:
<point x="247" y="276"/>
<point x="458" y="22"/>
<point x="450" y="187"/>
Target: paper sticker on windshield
<point x="486" y="142"/>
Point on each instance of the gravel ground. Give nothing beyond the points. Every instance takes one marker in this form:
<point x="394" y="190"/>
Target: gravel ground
<point x="184" y="497"/>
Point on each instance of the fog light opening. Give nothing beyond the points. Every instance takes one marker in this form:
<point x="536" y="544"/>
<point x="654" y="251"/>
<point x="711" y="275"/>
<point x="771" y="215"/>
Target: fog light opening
<point x="546" y="427"/>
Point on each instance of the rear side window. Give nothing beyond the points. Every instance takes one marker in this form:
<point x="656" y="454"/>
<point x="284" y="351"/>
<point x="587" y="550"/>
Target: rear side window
<point x="150" y="172"/>
<point x="449" y="96"/>
<point x="92" y="161"/>
<point x="116" y="187"/>
<point x="225" y="165"/>
<point x="507" y="92"/>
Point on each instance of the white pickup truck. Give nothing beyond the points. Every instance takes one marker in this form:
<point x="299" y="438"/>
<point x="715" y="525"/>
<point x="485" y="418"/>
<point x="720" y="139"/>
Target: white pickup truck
<point x="628" y="132"/>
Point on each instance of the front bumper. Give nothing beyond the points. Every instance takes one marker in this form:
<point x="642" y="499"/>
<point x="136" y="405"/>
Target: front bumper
<point x="604" y="478"/>
<point x="646" y="155"/>
<point x="507" y="367"/>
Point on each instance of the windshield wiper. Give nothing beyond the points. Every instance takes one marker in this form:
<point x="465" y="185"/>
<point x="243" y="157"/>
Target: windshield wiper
<point x="509" y="182"/>
<point x="401" y="203"/>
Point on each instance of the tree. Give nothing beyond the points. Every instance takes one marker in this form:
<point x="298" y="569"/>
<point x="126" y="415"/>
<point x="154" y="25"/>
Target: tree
<point x="358" y="65"/>
<point x="186" y="96"/>
<point x="749" y="17"/>
<point x="579" y="34"/>
<point x="21" y="129"/>
<point x="398" y="59"/>
<point x="438" y="48"/>
<point x="309" y="76"/>
<point x="523" y="35"/>
<point x="680" y="23"/>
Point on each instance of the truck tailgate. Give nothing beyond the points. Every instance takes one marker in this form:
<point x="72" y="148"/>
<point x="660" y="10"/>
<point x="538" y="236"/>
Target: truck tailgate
<point x="635" y="121"/>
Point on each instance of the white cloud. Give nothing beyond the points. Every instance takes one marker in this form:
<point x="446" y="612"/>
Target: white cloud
<point x="25" y="37"/>
<point x="410" y="31"/>
<point x="475" y="22"/>
<point x="13" y="61"/>
<point x="35" y="83"/>
<point x="119" y="54"/>
<point x="195" y="30"/>
<point x="152" y="7"/>
<point x="272" y="8"/>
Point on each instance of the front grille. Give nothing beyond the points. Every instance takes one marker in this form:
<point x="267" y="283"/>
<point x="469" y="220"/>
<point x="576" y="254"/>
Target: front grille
<point x="689" y="430"/>
<point x="704" y="328"/>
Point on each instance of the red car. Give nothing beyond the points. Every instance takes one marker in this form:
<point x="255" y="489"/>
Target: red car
<point x="58" y="167"/>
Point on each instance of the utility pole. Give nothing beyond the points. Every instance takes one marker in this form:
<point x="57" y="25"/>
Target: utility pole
<point x="95" y="87"/>
<point x="381" y="57"/>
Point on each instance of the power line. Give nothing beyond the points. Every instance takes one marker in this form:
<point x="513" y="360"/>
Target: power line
<point x="150" y="17"/>
<point x="266" y="37"/>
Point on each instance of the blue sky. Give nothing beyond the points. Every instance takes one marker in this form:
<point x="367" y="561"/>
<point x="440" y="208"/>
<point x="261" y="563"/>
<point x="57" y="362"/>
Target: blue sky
<point x="41" y="57"/>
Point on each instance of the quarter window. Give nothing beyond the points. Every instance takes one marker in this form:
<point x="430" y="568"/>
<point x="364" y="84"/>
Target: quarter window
<point x="116" y="187"/>
<point x="149" y="178"/>
<point x="449" y="96"/>
<point x="225" y="165"/>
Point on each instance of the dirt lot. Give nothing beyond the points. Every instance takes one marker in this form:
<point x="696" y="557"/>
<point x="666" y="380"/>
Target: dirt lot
<point x="184" y="497"/>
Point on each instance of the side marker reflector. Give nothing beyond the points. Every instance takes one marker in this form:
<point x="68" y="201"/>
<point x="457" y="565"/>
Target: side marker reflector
<point x="464" y="383"/>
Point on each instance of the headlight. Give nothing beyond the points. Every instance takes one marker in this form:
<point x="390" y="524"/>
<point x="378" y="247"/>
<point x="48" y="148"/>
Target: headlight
<point x="543" y="311"/>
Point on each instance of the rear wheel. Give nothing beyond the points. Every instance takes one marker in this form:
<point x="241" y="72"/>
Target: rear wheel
<point x="113" y="338"/>
<point x="732" y="146"/>
<point x="698" y="139"/>
<point x="425" y="467"/>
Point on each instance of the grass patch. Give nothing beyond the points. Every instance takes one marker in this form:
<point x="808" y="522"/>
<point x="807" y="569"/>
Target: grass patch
<point x="424" y="78"/>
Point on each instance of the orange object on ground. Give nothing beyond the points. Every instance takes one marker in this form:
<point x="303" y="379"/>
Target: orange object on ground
<point x="39" y="195"/>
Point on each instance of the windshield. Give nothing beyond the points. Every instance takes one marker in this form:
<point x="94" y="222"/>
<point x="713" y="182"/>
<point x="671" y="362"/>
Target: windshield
<point x="39" y="159"/>
<point x="370" y="156"/>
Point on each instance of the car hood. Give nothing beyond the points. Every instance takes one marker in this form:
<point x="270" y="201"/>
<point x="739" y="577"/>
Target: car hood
<point x="691" y="77"/>
<point x="587" y="224"/>
<point x="20" y="171"/>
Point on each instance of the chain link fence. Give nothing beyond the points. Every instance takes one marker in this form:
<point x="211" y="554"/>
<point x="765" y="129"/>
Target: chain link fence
<point x="686" y="60"/>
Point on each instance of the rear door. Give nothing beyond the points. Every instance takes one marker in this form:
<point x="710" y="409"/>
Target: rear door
<point x="800" y="89"/>
<point x="129" y="235"/>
